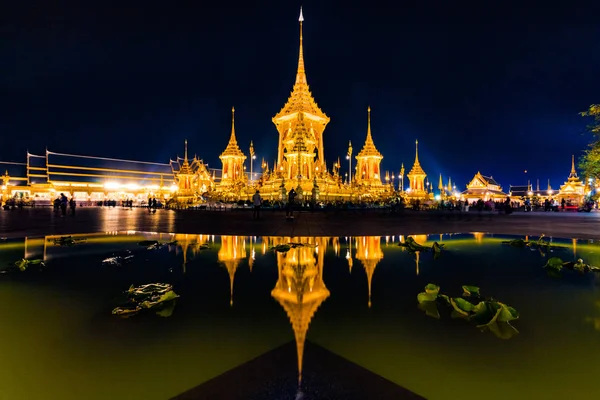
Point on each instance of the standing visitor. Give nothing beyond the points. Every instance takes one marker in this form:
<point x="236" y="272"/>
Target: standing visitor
<point x="72" y="204"/>
<point x="257" y="200"/>
<point x="289" y="212"/>
<point x="63" y="204"/>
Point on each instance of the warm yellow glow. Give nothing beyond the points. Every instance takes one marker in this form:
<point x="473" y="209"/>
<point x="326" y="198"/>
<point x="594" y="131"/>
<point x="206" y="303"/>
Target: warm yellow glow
<point x="173" y="188"/>
<point x="112" y="185"/>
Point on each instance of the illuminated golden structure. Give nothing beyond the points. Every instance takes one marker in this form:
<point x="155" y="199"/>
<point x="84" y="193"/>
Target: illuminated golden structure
<point x="369" y="253"/>
<point x="300" y="288"/>
<point x="416" y="178"/>
<point x="233" y="161"/>
<point x="483" y="188"/>
<point x="368" y="160"/>
<point x="573" y="190"/>
<point x="97" y="179"/>
<point x="231" y="254"/>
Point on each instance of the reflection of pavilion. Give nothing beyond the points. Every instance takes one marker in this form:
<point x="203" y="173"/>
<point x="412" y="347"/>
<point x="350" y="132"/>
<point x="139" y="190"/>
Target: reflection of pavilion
<point x="230" y="254"/>
<point x="420" y="239"/>
<point x="184" y="241"/>
<point x="300" y="288"/>
<point x="368" y="252"/>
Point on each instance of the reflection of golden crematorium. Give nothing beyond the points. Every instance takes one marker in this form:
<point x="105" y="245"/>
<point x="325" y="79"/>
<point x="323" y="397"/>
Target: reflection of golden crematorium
<point x="368" y="252"/>
<point x="187" y="243"/>
<point x="231" y="253"/>
<point x="300" y="288"/>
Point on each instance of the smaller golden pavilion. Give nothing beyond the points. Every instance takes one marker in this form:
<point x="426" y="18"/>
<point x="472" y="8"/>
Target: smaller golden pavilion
<point x="573" y="190"/>
<point x="416" y="179"/>
<point x="483" y="188"/>
<point x="368" y="159"/>
<point x="233" y="172"/>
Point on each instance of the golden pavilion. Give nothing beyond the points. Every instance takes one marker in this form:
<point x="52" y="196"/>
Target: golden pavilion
<point x="573" y="190"/>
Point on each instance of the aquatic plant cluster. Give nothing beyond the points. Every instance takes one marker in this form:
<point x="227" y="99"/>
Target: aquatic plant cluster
<point x="488" y="314"/>
<point x="156" y="297"/>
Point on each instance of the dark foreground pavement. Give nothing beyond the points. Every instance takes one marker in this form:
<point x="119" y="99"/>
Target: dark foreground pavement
<point x="44" y="221"/>
<point x="272" y="376"/>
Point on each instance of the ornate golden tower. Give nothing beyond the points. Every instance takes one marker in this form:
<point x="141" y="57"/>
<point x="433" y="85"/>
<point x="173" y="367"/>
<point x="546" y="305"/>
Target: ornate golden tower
<point x="231" y="253"/>
<point x="233" y="159"/>
<point x="416" y="176"/>
<point x="186" y="178"/>
<point x="368" y="159"/>
<point x="300" y="288"/>
<point x="368" y="252"/>
<point x="300" y="124"/>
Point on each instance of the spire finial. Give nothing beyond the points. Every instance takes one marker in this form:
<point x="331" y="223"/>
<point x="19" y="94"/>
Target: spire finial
<point x="301" y="73"/>
<point x="417" y="151"/>
<point x="369" y="137"/>
<point x="185" y="151"/>
<point x="573" y="164"/>
<point x="232" y="138"/>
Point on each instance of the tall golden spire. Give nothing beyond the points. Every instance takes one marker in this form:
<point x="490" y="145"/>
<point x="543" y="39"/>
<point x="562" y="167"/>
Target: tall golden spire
<point x="232" y="148"/>
<point x="441" y="184"/>
<point x="185" y="151"/>
<point x="573" y="164"/>
<point x="301" y="73"/>
<point x="369" y="149"/>
<point x="417" y="152"/>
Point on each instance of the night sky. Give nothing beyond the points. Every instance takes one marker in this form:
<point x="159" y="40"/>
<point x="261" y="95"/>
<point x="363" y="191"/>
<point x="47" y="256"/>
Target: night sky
<point x="490" y="89"/>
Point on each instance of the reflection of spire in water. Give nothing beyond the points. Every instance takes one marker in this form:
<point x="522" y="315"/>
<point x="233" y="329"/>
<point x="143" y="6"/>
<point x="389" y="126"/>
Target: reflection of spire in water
<point x="230" y="254"/>
<point x="574" y="241"/>
<point x="417" y="259"/>
<point x="478" y="236"/>
<point x="368" y="252"/>
<point x="252" y="255"/>
<point x="300" y="288"/>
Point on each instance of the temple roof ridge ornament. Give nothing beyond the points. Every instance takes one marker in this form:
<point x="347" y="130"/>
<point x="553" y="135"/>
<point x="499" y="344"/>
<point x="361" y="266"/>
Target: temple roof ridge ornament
<point x="232" y="149"/>
<point x="301" y="99"/>
<point x="185" y="168"/>
<point x="369" y="149"/>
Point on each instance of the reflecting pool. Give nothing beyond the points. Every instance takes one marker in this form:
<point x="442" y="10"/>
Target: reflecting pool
<point x="239" y="298"/>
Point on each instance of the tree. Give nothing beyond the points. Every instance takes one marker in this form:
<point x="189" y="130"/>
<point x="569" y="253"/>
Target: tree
<point x="590" y="162"/>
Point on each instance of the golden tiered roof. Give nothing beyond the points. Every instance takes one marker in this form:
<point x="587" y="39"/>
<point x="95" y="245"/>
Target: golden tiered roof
<point x="232" y="149"/>
<point x="369" y="149"/>
<point x="301" y="99"/>
<point x="416" y="169"/>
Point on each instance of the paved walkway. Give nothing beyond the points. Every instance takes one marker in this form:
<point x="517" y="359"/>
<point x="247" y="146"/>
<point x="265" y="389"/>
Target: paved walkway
<point x="44" y="221"/>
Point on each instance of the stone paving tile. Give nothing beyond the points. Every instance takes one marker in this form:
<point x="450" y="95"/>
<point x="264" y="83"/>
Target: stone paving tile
<point x="43" y="221"/>
<point x="274" y="376"/>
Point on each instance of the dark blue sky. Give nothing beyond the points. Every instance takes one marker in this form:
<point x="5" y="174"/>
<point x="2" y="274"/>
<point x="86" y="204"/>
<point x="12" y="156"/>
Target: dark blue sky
<point x="492" y="89"/>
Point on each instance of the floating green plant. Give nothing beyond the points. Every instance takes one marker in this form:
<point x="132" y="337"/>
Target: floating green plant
<point x="412" y="246"/>
<point x="535" y="244"/>
<point x="158" y="297"/>
<point x="285" y="247"/>
<point x="23" y="265"/>
<point x="488" y="314"/>
<point x="556" y="264"/>
<point x="68" y="241"/>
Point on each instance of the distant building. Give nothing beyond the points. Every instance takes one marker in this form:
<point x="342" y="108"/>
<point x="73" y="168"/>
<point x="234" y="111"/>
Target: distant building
<point x="483" y="188"/>
<point x="573" y="190"/>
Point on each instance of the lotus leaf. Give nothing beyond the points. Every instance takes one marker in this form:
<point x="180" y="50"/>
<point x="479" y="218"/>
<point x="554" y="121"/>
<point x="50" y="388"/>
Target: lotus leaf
<point x="554" y="263"/>
<point x="437" y="248"/>
<point x="430" y="308"/>
<point x="430" y="293"/>
<point x="167" y="310"/>
<point x="24" y="263"/>
<point x="461" y="306"/>
<point x="68" y="241"/>
<point x="499" y="324"/>
<point x="159" y="297"/>
<point x="282" y="248"/>
<point x="515" y="242"/>
<point x="470" y="291"/>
